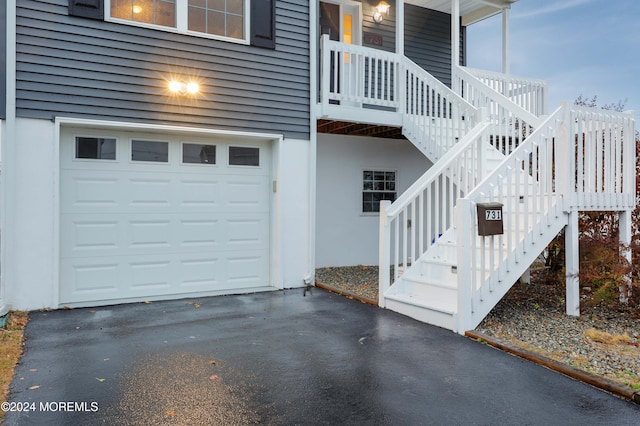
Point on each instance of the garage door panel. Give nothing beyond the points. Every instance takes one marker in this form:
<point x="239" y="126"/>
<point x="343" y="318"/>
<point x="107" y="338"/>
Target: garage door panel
<point x="135" y="230"/>
<point x="246" y="233"/>
<point x="90" y="279"/>
<point x="199" y="194"/>
<point x="199" y="234"/>
<point x="246" y="194"/>
<point x="146" y="192"/>
<point x="149" y="234"/>
<point x="245" y="269"/>
<point x="99" y="192"/>
<point x="200" y="274"/>
<point x="151" y="276"/>
<point x="92" y="235"/>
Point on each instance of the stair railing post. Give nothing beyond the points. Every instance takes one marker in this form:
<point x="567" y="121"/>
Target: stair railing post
<point x="402" y="88"/>
<point x="325" y="76"/>
<point x="629" y="153"/>
<point x="464" y="233"/>
<point x="565" y="163"/>
<point x="384" y="253"/>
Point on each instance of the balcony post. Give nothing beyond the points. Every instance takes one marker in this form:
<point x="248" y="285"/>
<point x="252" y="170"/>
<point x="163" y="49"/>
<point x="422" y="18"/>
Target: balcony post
<point x="400" y="27"/>
<point x="455" y="42"/>
<point x="505" y="40"/>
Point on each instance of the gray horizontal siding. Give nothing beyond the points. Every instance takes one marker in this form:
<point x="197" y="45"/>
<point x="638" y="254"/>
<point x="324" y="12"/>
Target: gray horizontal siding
<point x="69" y="66"/>
<point x="427" y="36"/>
<point x="385" y="29"/>
<point x="427" y="41"/>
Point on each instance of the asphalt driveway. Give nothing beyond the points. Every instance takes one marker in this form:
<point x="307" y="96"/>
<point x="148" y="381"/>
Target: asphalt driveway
<point x="281" y="358"/>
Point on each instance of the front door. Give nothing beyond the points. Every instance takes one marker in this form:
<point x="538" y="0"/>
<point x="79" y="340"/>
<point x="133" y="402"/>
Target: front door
<point x="341" y="20"/>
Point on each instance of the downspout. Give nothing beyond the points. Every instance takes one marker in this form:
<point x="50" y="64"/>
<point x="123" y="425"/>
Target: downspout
<point x="313" y="132"/>
<point x="7" y="193"/>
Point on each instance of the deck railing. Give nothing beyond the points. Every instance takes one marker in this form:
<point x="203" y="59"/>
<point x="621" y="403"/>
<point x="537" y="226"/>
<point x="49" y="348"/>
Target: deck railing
<point x="529" y="94"/>
<point x="422" y="214"/>
<point x="377" y="82"/>
<point x="602" y="146"/>
<point x="578" y="159"/>
<point x="512" y="122"/>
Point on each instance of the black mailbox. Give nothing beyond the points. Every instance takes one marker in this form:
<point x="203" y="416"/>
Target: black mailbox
<point x="490" y="219"/>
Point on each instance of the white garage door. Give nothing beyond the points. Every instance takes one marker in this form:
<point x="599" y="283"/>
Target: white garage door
<point x="144" y="216"/>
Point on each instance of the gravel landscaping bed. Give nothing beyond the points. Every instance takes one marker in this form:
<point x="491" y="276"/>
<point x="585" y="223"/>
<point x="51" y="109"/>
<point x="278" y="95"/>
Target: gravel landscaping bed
<point x="601" y="341"/>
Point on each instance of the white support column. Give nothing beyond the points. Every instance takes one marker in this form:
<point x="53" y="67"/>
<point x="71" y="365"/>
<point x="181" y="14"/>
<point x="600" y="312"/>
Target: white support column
<point x="505" y="40"/>
<point x="400" y="27"/>
<point x="624" y="226"/>
<point x="572" y="259"/>
<point x="455" y="42"/>
<point x="465" y="230"/>
<point x="8" y="195"/>
<point x="384" y="253"/>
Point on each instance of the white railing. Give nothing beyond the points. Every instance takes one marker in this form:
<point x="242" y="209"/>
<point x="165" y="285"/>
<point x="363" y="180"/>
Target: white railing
<point x="512" y="123"/>
<point x="576" y="154"/>
<point x="420" y="216"/>
<point x="602" y="175"/>
<point x="529" y="94"/>
<point x="435" y="117"/>
<point x="357" y="76"/>
<point x="371" y="80"/>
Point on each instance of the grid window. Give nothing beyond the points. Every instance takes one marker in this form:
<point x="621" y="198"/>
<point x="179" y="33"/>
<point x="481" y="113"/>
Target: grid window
<point x="377" y="186"/>
<point x="157" y="12"/>
<point x="219" y="18"/>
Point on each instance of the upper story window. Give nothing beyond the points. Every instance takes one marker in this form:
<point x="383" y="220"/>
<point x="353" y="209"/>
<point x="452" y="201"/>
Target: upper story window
<point x="225" y="19"/>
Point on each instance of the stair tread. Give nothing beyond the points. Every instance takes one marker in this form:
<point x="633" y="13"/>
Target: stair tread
<point x="450" y="308"/>
<point x="424" y="280"/>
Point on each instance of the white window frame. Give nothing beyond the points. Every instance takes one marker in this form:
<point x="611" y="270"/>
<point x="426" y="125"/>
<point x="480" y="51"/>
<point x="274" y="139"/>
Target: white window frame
<point x="182" y="24"/>
<point x="208" y="165"/>
<point x="143" y="138"/>
<point x="363" y="191"/>
<point x="93" y="160"/>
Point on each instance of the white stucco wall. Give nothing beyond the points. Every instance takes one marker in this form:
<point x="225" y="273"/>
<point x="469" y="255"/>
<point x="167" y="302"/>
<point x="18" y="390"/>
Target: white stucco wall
<point x="294" y="187"/>
<point x="344" y="235"/>
<point x="35" y="240"/>
<point x="32" y="268"/>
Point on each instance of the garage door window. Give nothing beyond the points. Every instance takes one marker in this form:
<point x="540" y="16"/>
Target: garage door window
<point x="195" y="153"/>
<point x="95" y="148"/>
<point x="150" y="151"/>
<point x="244" y="156"/>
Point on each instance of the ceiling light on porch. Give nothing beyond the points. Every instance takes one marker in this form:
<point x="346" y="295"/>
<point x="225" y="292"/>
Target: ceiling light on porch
<point x="381" y="9"/>
<point x="137" y="9"/>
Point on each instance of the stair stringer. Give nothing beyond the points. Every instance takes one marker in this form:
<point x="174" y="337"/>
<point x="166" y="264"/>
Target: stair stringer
<point x="509" y="272"/>
<point x="428" y="289"/>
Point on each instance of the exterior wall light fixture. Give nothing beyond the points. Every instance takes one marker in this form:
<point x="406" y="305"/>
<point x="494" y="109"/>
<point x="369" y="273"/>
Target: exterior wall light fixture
<point x="381" y="9"/>
<point x="182" y="88"/>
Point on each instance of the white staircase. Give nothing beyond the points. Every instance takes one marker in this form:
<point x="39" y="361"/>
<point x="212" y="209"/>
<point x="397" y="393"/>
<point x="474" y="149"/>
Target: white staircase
<point x="459" y="276"/>
<point x="492" y="143"/>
